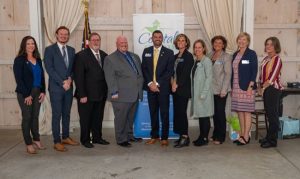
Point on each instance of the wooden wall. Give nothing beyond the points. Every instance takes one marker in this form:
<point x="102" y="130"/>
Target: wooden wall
<point x="14" y="25"/>
<point x="111" y="18"/>
<point x="281" y="18"/>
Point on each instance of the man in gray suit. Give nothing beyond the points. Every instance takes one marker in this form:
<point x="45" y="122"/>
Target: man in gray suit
<point x="59" y="59"/>
<point x="124" y="79"/>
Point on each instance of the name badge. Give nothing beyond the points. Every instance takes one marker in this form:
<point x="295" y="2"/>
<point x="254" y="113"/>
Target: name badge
<point x="148" y="55"/>
<point x="219" y="62"/>
<point x="180" y="60"/>
<point x="245" y="61"/>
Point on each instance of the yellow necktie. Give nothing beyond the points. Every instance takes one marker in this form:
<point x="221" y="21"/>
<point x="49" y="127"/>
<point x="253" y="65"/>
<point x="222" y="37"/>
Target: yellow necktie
<point x="155" y="59"/>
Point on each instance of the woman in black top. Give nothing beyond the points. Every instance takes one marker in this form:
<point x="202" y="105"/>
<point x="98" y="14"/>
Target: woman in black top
<point x="29" y="75"/>
<point x="181" y="88"/>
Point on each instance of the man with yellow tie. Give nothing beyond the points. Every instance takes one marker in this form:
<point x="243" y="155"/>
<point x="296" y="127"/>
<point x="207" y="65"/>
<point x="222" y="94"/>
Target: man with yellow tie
<point x="157" y="66"/>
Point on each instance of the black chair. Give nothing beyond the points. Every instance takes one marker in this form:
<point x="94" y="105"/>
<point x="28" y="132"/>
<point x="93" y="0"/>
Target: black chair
<point x="259" y="111"/>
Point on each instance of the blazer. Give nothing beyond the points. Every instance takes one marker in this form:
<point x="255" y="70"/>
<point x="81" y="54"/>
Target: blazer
<point x="164" y="68"/>
<point x="122" y="79"/>
<point x="24" y="76"/>
<point x="183" y="72"/>
<point x="202" y="103"/>
<point x="89" y="76"/>
<point x="56" y="67"/>
<point x="247" y="69"/>
<point x="222" y="69"/>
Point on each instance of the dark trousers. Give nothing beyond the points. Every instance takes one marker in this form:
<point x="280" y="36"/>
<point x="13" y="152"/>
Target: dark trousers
<point x="91" y="117"/>
<point x="271" y="103"/>
<point x="124" y="117"/>
<point x="219" y="118"/>
<point x="30" y="116"/>
<point x="159" y="103"/>
<point x="180" y="116"/>
<point x="204" y="125"/>
<point x="61" y="103"/>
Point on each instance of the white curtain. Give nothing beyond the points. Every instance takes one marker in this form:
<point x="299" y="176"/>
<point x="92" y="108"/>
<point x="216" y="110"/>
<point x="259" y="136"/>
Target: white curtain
<point x="220" y="17"/>
<point x="57" y="13"/>
<point x="61" y="12"/>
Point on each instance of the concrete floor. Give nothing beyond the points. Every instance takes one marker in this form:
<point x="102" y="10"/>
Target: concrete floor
<point x="148" y="162"/>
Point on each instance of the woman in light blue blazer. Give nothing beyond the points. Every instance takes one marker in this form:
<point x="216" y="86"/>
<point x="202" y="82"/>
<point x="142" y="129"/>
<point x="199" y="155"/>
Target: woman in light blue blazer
<point x="202" y="106"/>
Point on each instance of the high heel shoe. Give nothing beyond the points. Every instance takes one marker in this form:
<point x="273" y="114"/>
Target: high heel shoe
<point x="241" y="143"/>
<point x="38" y="145"/>
<point x="183" y="142"/>
<point x="30" y="149"/>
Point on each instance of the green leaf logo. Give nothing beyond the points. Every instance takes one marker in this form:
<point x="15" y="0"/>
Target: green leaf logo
<point x="155" y="26"/>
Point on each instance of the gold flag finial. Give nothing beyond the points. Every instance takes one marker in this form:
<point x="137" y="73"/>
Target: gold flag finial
<point x="86" y="4"/>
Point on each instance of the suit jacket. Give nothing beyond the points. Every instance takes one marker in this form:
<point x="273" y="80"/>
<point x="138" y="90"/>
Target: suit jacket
<point x="202" y="103"/>
<point x="222" y="69"/>
<point x="89" y="76"/>
<point x="121" y="78"/>
<point x="56" y="67"/>
<point x="183" y="72"/>
<point x="164" y="68"/>
<point x="24" y="76"/>
<point x="247" y="69"/>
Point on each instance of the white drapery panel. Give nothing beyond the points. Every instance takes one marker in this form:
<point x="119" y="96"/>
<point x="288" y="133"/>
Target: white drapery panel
<point x="221" y="17"/>
<point x="61" y="12"/>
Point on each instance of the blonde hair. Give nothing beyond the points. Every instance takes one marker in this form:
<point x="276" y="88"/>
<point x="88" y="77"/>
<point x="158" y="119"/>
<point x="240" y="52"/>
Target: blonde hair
<point x="244" y="34"/>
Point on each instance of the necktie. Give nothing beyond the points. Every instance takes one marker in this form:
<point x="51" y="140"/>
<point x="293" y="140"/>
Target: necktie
<point x="131" y="63"/>
<point x="65" y="56"/>
<point x="155" y="59"/>
<point x="98" y="59"/>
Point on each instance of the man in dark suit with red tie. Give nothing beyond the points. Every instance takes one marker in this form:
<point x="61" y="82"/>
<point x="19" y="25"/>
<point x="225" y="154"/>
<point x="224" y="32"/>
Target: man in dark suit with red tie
<point x="91" y="91"/>
<point x="158" y="67"/>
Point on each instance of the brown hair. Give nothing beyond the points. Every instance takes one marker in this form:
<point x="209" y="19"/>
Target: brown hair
<point x="188" y="43"/>
<point x="219" y="37"/>
<point x="93" y="34"/>
<point x="203" y="45"/>
<point x="62" y="27"/>
<point x="22" y="50"/>
<point x="244" y="34"/>
<point x="275" y="43"/>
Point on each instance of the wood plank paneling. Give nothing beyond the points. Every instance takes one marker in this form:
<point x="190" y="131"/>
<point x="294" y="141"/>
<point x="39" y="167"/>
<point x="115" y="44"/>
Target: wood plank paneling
<point x="21" y="14"/>
<point x="6" y="12"/>
<point x="276" y="11"/>
<point x="173" y="6"/>
<point x="7" y="50"/>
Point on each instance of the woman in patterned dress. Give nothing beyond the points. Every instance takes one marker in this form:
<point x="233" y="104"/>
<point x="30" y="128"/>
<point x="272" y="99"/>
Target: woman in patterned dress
<point x="244" y="74"/>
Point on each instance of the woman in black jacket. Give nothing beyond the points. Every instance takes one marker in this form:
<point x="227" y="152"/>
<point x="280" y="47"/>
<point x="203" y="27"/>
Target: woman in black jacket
<point x="29" y="75"/>
<point x="181" y="88"/>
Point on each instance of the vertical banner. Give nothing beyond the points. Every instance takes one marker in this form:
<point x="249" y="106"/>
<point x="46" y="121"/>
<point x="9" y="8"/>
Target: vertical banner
<point x="143" y="25"/>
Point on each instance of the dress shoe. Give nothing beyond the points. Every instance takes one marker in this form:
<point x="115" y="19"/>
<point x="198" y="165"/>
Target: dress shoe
<point x="262" y="140"/>
<point x="136" y="139"/>
<point x="69" y="141"/>
<point x="176" y="141"/>
<point x="125" y="144"/>
<point x="152" y="141"/>
<point x="200" y="142"/>
<point x="88" y="145"/>
<point x="30" y="149"/>
<point x="164" y="143"/>
<point x="60" y="147"/>
<point x="38" y="145"/>
<point x="101" y="141"/>
<point x="183" y="142"/>
<point x="268" y="144"/>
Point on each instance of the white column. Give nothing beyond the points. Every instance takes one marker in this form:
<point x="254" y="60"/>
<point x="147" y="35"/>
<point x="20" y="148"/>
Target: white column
<point x="36" y="22"/>
<point x="248" y="25"/>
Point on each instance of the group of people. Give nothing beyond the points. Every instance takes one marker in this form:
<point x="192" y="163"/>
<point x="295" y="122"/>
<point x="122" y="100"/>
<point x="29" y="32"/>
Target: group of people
<point x="121" y="77"/>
